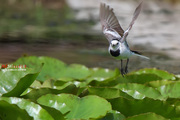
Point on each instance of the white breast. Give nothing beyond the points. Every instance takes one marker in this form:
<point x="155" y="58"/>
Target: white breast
<point x="125" y="52"/>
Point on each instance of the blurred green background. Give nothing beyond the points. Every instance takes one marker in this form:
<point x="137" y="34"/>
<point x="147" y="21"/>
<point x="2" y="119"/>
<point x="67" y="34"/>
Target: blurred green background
<point x="70" y="30"/>
<point x="38" y="21"/>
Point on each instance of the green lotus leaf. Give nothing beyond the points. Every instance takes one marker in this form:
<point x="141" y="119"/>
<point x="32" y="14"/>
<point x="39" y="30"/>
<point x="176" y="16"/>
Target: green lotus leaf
<point x="139" y="91"/>
<point x="171" y="90"/>
<point x="99" y="75"/>
<point x="54" y="84"/>
<point x="138" y="78"/>
<point x="159" y="83"/>
<point x="36" y="84"/>
<point x="57" y="84"/>
<point x="129" y="78"/>
<point x="55" y="69"/>
<point x="47" y="84"/>
<point x="107" y="92"/>
<point x="33" y="110"/>
<point x="173" y="101"/>
<point x="178" y="76"/>
<point x="34" y="94"/>
<point x="75" y="71"/>
<point x="176" y="118"/>
<point x="131" y="107"/>
<point x="161" y="73"/>
<point x="51" y="67"/>
<point x="147" y="116"/>
<point x="26" y="91"/>
<point x="14" y="83"/>
<point x="75" y="107"/>
<point x="12" y="112"/>
<point x="113" y="115"/>
<point x="57" y="115"/>
<point x="61" y="84"/>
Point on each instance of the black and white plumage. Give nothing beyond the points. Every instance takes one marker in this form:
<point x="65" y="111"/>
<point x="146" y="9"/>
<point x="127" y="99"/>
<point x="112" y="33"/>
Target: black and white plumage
<point x="117" y="36"/>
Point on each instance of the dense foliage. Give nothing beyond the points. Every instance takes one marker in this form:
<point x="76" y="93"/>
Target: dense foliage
<point x="49" y="89"/>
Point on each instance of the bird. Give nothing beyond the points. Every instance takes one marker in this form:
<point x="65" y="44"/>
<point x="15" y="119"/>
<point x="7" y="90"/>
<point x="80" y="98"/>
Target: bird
<point x="116" y="36"/>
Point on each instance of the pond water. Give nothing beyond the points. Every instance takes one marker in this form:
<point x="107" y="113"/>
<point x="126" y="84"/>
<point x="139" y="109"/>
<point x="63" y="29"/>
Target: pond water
<point x="89" y="55"/>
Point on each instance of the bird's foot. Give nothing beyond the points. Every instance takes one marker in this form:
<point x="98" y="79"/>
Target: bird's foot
<point x="126" y="70"/>
<point x="122" y="72"/>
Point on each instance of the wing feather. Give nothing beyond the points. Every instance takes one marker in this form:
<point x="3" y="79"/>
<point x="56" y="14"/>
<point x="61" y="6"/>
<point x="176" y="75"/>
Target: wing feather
<point x="135" y="15"/>
<point x="110" y="25"/>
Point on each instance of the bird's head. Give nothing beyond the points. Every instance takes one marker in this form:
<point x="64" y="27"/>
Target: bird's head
<point x="114" y="44"/>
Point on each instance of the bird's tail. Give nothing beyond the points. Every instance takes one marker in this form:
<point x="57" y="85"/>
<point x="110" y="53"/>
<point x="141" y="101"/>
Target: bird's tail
<point x="139" y="54"/>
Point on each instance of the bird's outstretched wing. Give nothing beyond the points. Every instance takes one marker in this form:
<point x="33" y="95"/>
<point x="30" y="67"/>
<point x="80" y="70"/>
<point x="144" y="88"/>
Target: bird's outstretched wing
<point x="110" y="25"/>
<point x="135" y="15"/>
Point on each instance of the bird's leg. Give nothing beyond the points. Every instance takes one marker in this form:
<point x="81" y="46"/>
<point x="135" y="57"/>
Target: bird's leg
<point x="126" y="68"/>
<point x="122" y="70"/>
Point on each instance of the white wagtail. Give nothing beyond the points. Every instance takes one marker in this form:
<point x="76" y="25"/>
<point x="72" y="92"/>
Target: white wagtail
<point x="116" y="36"/>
